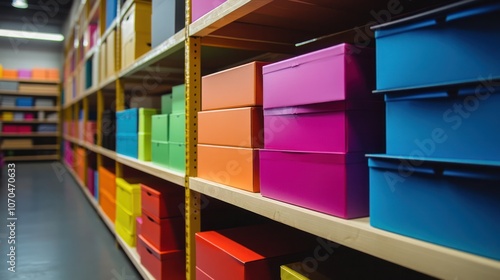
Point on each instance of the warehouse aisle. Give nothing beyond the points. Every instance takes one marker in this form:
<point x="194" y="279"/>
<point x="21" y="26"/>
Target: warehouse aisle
<point x="58" y="233"/>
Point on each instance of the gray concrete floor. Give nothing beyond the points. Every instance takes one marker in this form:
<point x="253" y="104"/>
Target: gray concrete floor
<point x="58" y="233"/>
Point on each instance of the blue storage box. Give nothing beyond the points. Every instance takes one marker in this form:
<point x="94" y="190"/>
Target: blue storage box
<point x="444" y="123"/>
<point x="127" y="121"/>
<point x="47" y="128"/>
<point x="127" y="144"/>
<point x="455" y="44"/>
<point x="24" y="101"/>
<point x="454" y="204"/>
<point x="111" y="10"/>
<point x="96" y="185"/>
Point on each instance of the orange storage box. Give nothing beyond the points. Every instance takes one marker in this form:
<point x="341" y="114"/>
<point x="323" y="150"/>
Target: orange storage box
<point x="79" y="163"/>
<point x="9" y="74"/>
<point x="108" y="205"/>
<point x="164" y="234"/>
<point x="241" y="127"/>
<point x="52" y="74"/>
<point x="39" y="74"/>
<point x="162" y="264"/>
<point x="107" y="181"/>
<point x="163" y="201"/>
<point x="232" y="166"/>
<point x="252" y="252"/>
<point x="233" y="88"/>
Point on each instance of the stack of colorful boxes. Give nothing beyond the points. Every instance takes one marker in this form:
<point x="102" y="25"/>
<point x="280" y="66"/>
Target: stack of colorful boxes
<point x="439" y="179"/>
<point x="79" y="166"/>
<point x="168" y="136"/>
<point x="320" y="119"/>
<point x="128" y="208"/>
<point x="133" y="132"/>
<point x="107" y="191"/>
<point x="230" y="127"/>
<point x="161" y="243"/>
<point x="68" y="154"/>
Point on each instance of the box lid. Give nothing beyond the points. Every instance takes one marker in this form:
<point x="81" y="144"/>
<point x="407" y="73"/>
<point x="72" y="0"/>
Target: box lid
<point x="341" y="105"/>
<point x="318" y="157"/>
<point x="342" y="49"/>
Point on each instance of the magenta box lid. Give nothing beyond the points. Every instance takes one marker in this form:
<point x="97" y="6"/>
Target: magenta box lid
<point x="342" y="105"/>
<point x="319" y="157"/>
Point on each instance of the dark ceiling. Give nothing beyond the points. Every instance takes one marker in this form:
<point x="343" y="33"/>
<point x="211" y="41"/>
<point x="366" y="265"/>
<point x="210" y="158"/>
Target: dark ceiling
<point x="51" y="13"/>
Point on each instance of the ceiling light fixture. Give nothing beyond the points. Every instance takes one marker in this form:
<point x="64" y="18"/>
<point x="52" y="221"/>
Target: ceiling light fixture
<point x="21" y="4"/>
<point x="31" y="35"/>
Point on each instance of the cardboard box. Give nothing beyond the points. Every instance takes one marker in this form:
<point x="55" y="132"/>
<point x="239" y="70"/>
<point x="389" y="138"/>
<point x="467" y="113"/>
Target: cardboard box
<point x="232" y="166"/>
<point x="164" y="234"/>
<point x="340" y="72"/>
<point x="136" y="32"/>
<point x="331" y="183"/>
<point x="110" y="58"/>
<point x="233" y="88"/>
<point x="162" y="264"/>
<point x="251" y="252"/>
<point x="241" y="127"/>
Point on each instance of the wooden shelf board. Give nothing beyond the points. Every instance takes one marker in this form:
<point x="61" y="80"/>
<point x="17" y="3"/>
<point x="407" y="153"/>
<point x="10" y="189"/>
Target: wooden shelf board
<point x="31" y="158"/>
<point x="11" y="92"/>
<point x="34" y="147"/>
<point x="33" y="81"/>
<point x="437" y="261"/>
<point x="29" y="121"/>
<point x="32" y="134"/>
<point x="29" y="109"/>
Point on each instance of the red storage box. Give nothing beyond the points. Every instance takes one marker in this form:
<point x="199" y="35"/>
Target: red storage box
<point x="29" y="116"/>
<point x="169" y="265"/>
<point x="253" y="252"/>
<point x="24" y="129"/>
<point x="163" y="201"/>
<point x="332" y="183"/>
<point x="9" y="128"/>
<point x="163" y="234"/>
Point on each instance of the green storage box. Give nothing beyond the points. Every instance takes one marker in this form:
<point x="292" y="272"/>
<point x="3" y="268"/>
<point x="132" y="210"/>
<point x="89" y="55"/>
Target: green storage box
<point x="144" y="144"/>
<point x="177" y="128"/>
<point x="159" y="130"/>
<point x="145" y="119"/>
<point x="178" y="99"/>
<point x="166" y="103"/>
<point x="177" y="156"/>
<point x="159" y="153"/>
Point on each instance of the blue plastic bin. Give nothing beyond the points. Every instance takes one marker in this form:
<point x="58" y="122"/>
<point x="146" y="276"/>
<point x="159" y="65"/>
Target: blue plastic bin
<point x="127" y="144"/>
<point x="454" y="204"/>
<point x="111" y="10"/>
<point x="96" y="185"/>
<point x="24" y="101"/>
<point x="449" y="45"/>
<point x="444" y="123"/>
<point x="127" y="121"/>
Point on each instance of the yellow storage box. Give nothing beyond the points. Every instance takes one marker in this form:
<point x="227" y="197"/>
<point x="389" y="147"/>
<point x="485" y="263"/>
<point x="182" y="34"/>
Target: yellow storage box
<point x="128" y="195"/>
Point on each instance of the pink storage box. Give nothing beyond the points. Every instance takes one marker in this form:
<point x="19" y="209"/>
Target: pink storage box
<point x="29" y="116"/>
<point x="24" y="129"/>
<point x="9" y="128"/>
<point x="90" y="180"/>
<point x="336" y="73"/>
<point x="138" y="225"/>
<point x="24" y="73"/>
<point x="340" y="127"/>
<point x="332" y="183"/>
<point x="202" y="7"/>
<point x="90" y="130"/>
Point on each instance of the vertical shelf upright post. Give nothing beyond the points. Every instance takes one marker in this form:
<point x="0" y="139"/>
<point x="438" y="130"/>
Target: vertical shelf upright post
<point x="120" y="106"/>
<point x="192" y="77"/>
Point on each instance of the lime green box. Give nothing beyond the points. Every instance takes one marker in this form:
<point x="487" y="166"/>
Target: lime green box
<point x="178" y="99"/>
<point x="160" y="153"/>
<point x="145" y="119"/>
<point x="159" y="130"/>
<point x="128" y="237"/>
<point x="144" y="145"/>
<point x="296" y="271"/>
<point x="177" y="130"/>
<point x="177" y="156"/>
<point x="166" y="103"/>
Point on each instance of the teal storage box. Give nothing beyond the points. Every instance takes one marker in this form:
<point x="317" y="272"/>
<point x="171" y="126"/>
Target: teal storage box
<point x="159" y="153"/>
<point x="177" y="156"/>
<point x="144" y="143"/>
<point x="145" y="119"/>
<point x="178" y="99"/>
<point x="127" y="144"/>
<point x="159" y="130"/>
<point x="126" y="121"/>
<point x="166" y="103"/>
<point x="444" y="122"/>
<point x="449" y="45"/>
<point x="177" y="128"/>
<point x="450" y="203"/>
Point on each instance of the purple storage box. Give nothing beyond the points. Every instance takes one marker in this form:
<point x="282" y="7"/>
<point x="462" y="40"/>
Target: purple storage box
<point x="202" y="7"/>
<point x="90" y="180"/>
<point x="339" y="127"/>
<point x="336" y="73"/>
<point x="332" y="183"/>
<point x="24" y="73"/>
